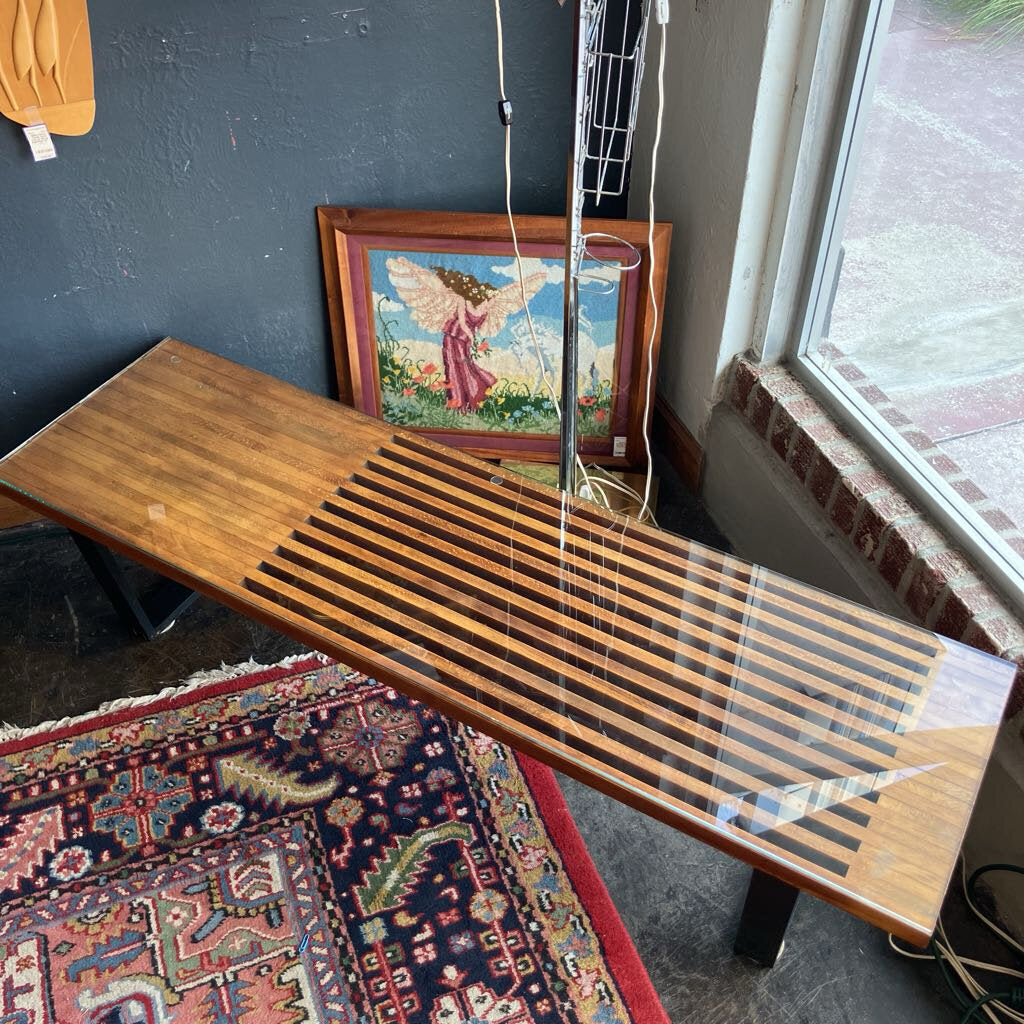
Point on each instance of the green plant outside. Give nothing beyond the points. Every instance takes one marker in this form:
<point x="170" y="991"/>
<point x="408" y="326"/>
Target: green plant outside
<point x="1000" y="20"/>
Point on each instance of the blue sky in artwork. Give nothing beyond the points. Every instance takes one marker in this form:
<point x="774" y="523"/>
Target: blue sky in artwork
<point x="599" y="310"/>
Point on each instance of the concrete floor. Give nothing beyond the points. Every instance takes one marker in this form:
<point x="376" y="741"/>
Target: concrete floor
<point x="64" y="652"/>
<point x="930" y="304"/>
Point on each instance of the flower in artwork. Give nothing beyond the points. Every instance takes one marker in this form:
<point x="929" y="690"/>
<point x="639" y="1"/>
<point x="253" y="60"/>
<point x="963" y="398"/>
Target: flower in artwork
<point x="291" y="725"/>
<point x="461" y="942"/>
<point x="587" y="981"/>
<point x="532" y="856"/>
<point x="440" y="778"/>
<point x="176" y="918"/>
<point x="481" y="744"/>
<point x="221" y="818"/>
<point x="408" y="391"/>
<point x="71" y="862"/>
<point x="577" y="944"/>
<point x="128" y="732"/>
<point x="374" y="930"/>
<point x="288" y="688"/>
<point x="140" y="804"/>
<point x="344" y="811"/>
<point x="487" y="906"/>
<point x="425" y="954"/>
<point x="370" y="737"/>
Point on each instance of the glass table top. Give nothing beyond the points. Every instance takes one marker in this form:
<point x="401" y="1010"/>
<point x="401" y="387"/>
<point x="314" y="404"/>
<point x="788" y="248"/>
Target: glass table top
<point x="828" y="744"/>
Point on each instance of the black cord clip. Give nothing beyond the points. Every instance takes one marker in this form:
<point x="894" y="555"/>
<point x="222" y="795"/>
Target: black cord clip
<point x="505" y="112"/>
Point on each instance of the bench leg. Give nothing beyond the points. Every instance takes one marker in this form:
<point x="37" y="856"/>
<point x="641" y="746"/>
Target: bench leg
<point x="146" y="615"/>
<point x="766" y="913"/>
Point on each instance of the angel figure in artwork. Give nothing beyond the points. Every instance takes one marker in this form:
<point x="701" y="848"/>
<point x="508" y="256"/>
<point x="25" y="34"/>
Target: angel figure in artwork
<point x="460" y="307"/>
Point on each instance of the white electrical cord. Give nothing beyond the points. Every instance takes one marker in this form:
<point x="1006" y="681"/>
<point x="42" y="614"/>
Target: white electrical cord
<point x="960" y="964"/>
<point x="594" y="489"/>
<point x="620" y="485"/>
<point x="646" y="505"/>
<point x="515" y="246"/>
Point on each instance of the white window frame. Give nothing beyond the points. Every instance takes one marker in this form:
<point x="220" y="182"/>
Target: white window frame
<point x="820" y="190"/>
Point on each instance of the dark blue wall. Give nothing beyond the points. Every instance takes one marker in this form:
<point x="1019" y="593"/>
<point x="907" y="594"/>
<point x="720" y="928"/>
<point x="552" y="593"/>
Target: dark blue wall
<point x="189" y="208"/>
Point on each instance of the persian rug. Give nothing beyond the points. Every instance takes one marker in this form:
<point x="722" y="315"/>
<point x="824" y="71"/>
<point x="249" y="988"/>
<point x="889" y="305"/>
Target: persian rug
<point x="297" y="844"/>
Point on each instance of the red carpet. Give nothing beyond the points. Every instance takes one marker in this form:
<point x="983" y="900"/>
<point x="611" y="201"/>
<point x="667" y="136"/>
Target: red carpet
<point x="298" y="844"/>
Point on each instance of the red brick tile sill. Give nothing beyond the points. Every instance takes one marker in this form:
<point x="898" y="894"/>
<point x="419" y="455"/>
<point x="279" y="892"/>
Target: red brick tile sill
<point x="936" y="584"/>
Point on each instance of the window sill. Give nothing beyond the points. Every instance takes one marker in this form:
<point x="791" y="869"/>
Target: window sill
<point x="933" y="581"/>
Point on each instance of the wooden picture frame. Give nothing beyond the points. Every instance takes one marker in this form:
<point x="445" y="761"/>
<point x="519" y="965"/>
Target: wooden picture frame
<point x="404" y="352"/>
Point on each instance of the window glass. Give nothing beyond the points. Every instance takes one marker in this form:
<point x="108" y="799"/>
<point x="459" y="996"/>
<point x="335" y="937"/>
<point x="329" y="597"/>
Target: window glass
<point x="925" y="315"/>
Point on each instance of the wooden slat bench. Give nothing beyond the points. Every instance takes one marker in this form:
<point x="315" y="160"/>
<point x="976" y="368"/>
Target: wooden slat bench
<point x="834" y="749"/>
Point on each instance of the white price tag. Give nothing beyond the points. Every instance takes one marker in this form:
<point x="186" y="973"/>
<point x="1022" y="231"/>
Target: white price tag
<point x="40" y="142"/>
<point x="619" y="447"/>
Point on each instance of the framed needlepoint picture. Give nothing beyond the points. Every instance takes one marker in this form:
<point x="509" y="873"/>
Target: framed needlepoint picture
<point x="431" y="332"/>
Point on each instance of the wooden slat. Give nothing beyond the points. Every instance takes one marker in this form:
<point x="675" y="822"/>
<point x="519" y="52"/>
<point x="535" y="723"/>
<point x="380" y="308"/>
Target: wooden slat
<point x="220" y="509"/>
<point x="110" y="429"/>
<point x="637" y="661"/>
<point x="544" y="525"/>
<point x="106" y="434"/>
<point x="782" y="768"/>
<point x="697" y="553"/>
<point x="830" y="745"/>
<point x="586" y="565"/>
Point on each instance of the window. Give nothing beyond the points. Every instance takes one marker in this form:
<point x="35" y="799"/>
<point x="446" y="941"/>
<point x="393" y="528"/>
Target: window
<point x="913" y="325"/>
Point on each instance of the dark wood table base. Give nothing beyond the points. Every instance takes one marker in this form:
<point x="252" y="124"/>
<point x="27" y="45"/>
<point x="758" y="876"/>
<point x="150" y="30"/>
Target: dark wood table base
<point x="767" y="909"/>
<point x="147" y="615"/>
